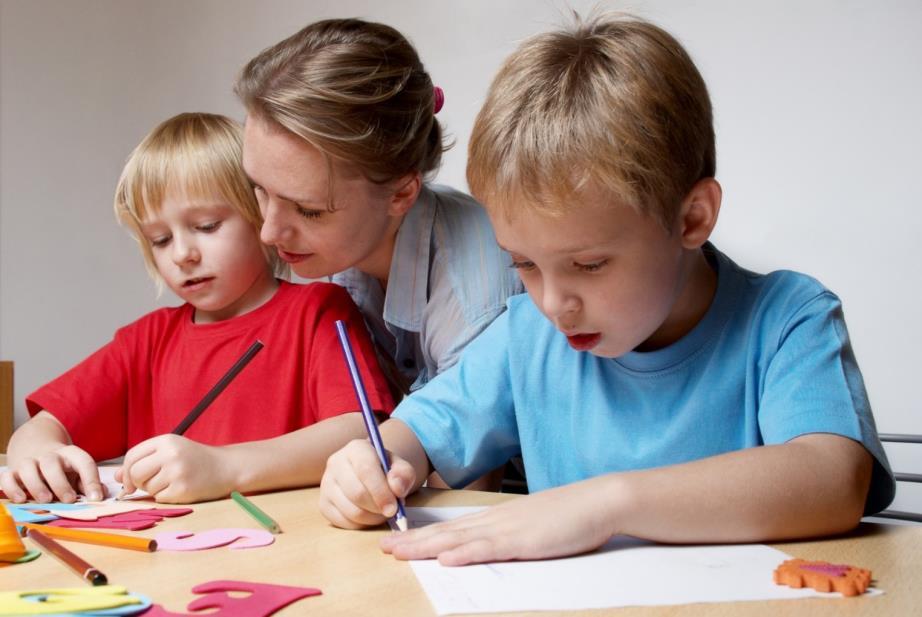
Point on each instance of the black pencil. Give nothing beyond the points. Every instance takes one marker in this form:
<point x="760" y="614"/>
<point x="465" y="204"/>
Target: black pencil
<point x="218" y="388"/>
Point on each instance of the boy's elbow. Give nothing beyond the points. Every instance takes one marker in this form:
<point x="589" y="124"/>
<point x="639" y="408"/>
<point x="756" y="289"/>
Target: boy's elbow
<point x="833" y="489"/>
<point x="851" y="466"/>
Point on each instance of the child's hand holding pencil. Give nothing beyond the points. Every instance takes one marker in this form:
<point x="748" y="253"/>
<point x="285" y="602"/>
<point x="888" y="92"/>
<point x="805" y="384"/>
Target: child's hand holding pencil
<point x="355" y="492"/>
<point x="367" y="481"/>
<point x="174" y="469"/>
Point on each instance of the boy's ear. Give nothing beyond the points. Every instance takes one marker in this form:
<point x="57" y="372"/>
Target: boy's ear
<point x="406" y="190"/>
<point x="699" y="211"/>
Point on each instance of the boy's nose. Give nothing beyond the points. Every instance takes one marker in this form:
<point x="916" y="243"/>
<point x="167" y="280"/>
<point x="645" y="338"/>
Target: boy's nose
<point x="184" y="252"/>
<point x="558" y="301"/>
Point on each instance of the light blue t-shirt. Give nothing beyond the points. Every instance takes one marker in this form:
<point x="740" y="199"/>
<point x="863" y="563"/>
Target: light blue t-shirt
<point x="448" y="281"/>
<point x="769" y="361"/>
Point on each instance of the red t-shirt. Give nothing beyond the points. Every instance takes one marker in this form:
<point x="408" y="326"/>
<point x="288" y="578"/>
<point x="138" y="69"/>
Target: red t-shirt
<point x="155" y="370"/>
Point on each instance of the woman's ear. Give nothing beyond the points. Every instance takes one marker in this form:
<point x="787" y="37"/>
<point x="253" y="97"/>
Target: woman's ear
<point x="406" y="190"/>
<point x="698" y="214"/>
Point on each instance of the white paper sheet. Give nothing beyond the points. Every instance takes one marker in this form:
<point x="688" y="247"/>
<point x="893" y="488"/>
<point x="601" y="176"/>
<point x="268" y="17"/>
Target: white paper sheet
<point x="625" y="572"/>
<point x="113" y="486"/>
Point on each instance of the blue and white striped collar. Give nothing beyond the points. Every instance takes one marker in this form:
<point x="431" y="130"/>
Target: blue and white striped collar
<point x="408" y="279"/>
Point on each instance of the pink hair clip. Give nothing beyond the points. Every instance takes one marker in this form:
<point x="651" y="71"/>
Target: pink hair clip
<point x="439" y="96"/>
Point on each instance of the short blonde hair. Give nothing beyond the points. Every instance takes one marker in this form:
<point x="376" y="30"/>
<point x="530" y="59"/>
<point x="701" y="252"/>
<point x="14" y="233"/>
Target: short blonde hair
<point x="613" y="102"/>
<point x="355" y="90"/>
<point x="197" y="153"/>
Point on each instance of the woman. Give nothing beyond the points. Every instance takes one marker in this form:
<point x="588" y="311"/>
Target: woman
<point x="340" y="136"/>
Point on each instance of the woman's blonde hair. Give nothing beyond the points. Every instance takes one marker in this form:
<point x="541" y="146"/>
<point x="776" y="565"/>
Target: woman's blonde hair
<point x="611" y="103"/>
<point x="355" y="90"/>
<point x="198" y="154"/>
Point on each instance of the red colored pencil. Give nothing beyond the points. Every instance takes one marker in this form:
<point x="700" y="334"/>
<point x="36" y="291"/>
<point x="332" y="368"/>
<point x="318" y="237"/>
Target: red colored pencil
<point x="75" y="563"/>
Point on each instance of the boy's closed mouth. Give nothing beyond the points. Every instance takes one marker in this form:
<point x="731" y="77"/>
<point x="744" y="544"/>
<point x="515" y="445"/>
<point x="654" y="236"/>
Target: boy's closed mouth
<point x="292" y="258"/>
<point x="584" y="342"/>
<point x="197" y="283"/>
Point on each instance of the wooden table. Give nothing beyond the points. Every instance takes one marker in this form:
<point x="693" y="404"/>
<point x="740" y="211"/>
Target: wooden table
<point x="358" y="579"/>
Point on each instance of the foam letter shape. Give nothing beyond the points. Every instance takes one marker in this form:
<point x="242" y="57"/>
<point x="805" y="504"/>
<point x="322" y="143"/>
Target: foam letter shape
<point x="131" y="609"/>
<point x="194" y="541"/>
<point x="25" y="514"/>
<point x="141" y="519"/>
<point x="264" y="601"/>
<point x="66" y="600"/>
<point x="91" y="513"/>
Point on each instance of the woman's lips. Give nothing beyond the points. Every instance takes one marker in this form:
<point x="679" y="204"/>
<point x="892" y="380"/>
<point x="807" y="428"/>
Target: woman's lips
<point x="292" y="258"/>
<point x="584" y="342"/>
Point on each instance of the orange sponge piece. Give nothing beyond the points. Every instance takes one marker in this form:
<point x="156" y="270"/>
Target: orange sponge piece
<point x="823" y="576"/>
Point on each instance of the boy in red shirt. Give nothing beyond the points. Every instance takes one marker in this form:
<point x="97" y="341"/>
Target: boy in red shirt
<point x="189" y="205"/>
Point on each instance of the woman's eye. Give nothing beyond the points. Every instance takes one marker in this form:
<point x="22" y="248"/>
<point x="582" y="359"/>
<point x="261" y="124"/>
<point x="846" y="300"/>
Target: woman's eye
<point x="309" y="213"/>
<point x="591" y="267"/>
<point x="522" y="265"/>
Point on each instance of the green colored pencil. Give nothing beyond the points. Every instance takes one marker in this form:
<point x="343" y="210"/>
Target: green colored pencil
<point x="261" y="517"/>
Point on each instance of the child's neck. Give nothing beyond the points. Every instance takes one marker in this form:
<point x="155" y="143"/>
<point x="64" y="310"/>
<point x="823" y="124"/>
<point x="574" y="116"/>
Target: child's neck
<point x="691" y="306"/>
<point x="260" y="292"/>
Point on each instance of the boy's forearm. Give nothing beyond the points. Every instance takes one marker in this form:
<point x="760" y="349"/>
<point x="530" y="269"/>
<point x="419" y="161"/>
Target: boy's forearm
<point x="292" y="460"/>
<point x="36" y="436"/>
<point x="812" y="486"/>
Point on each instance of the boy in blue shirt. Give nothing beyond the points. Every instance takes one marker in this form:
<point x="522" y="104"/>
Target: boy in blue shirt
<point x="653" y="387"/>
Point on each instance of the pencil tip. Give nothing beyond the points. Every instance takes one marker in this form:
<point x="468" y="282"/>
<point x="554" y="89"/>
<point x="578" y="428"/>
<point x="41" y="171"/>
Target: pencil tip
<point x="402" y="523"/>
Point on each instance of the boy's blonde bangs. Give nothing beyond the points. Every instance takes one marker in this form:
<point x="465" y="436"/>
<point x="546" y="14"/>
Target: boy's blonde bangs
<point x="612" y="104"/>
<point x="197" y="155"/>
<point x="529" y="172"/>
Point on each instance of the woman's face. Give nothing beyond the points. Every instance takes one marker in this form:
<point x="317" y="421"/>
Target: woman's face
<point x="291" y="179"/>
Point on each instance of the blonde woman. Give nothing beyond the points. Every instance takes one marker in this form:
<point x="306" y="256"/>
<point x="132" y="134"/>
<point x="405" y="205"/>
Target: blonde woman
<point x="340" y="137"/>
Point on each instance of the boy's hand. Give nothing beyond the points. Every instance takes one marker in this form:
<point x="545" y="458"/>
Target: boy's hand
<point x="553" y="523"/>
<point x="354" y="491"/>
<point x="174" y="469"/>
<point x="58" y="474"/>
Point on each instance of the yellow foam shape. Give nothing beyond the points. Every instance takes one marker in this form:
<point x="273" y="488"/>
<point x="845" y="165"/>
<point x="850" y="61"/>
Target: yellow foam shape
<point x="64" y="600"/>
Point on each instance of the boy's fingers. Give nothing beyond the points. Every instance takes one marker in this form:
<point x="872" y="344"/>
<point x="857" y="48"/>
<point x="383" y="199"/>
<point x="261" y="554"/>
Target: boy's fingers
<point x="51" y="467"/>
<point x="374" y="486"/>
<point x="365" y="486"/>
<point x="141" y="474"/>
<point x="359" y="475"/>
<point x="33" y="482"/>
<point x="475" y="551"/>
<point x="401" y="477"/>
<point x="10" y="486"/>
<point x="344" y="513"/>
<point x="128" y="486"/>
<point x="429" y="545"/>
<point x="169" y="490"/>
<point x="142" y="450"/>
<point x="134" y="472"/>
<point x="83" y="464"/>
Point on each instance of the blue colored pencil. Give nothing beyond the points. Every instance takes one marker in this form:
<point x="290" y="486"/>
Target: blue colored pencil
<point x="371" y="424"/>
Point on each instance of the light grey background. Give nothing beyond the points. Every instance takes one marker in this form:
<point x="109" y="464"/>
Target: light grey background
<point x="818" y="135"/>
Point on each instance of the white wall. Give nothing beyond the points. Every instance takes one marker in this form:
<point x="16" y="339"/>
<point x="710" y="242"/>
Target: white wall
<point x="817" y="114"/>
